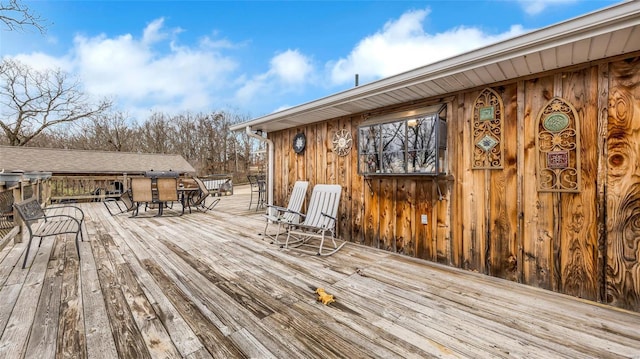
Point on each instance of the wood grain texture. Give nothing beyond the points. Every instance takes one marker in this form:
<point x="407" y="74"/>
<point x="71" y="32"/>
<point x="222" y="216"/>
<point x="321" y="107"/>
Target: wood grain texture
<point x="578" y="257"/>
<point x="601" y="180"/>
<point x="358" y="188"/>
<point x="441" y="217"/>
<point x="42" y="339"/>
<point x="424" y="236"/>
<point x="343" y="178"/>
<point x="623" y="185"/>
<point x="539" y="207"/>
<point x="508" y="256"/>
<point x="404" y="216"/>
<point x="127" y="336"/>
<point x="459" y="139"/>
<point x="387" y="214"/>
<point x="371" y="213"/>
<point x="71" y="326"/>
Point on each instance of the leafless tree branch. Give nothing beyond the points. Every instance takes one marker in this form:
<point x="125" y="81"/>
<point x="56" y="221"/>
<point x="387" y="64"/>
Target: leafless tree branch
<point x="33" y="101"/>
<point x="16" y="16"/>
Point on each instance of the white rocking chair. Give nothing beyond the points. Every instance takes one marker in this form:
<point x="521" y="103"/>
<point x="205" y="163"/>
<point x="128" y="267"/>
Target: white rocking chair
<point x="286" y="216"/>
<point x="319" y="223"/>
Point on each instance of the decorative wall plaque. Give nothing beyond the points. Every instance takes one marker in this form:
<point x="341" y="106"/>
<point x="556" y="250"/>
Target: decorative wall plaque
<point x="558" y="159"/>
<point x="487" y="140"/>
<point x="558" y="145"/>
<point x="299" y="142"/>
<point x="342" y="142"/>
<point x="486" y="113"/>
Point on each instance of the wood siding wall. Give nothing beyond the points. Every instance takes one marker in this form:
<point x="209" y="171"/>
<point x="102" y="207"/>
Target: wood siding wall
<point x="584" y="244"/>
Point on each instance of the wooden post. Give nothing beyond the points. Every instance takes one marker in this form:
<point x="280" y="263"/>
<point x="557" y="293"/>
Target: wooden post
<point x="17" y="197"/>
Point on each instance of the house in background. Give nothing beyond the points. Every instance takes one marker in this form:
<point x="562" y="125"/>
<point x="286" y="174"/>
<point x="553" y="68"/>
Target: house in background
<point x="78" y="173"/>
<point x="518" y="160"/>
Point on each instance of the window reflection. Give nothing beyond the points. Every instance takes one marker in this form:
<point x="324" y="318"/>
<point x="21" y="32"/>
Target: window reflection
<point x="411" y="145"/>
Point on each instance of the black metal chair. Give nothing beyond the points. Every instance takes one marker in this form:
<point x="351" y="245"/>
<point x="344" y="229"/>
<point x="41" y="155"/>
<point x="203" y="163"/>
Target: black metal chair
<point x="6" y="209"/>
<point x="124" y="199"/>
<point x="258" y="186"/>
<point x="199" y="200"/>
<point x="42" y="224"/>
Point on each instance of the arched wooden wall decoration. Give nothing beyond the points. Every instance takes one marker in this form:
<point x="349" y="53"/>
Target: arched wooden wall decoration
<point x="488" y="148"/>
<point x="558" y="144"/>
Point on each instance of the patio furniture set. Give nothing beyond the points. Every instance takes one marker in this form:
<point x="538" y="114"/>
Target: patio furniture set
<point x="160" y="189"/>
<point x="156" y="189"/>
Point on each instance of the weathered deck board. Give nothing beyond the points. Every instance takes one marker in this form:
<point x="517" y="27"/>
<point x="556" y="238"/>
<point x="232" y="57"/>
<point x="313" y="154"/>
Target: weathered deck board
<point x="207" y="285"/>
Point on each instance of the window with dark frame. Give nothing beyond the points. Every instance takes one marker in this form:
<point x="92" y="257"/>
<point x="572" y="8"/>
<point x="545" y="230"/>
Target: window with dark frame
<point x="408" y="143"/>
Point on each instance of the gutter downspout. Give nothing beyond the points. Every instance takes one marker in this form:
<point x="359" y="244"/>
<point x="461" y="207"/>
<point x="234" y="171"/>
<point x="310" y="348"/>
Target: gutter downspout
<point x="270" y="157"/>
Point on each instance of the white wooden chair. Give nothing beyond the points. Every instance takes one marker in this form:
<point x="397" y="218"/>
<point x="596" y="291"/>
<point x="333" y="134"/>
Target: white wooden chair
<point x="289" y="215"/>
<point x="319" y="223"/>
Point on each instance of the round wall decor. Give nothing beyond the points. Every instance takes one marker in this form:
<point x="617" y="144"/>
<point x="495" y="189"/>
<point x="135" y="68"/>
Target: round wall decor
<point x="299" y="142"/>
<point x="342" y="142"/>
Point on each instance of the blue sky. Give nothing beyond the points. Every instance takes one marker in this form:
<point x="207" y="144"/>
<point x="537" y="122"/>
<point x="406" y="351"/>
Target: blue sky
<point x="257" y="57"/>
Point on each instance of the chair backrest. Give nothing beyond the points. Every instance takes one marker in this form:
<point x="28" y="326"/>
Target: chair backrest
<point x="167" y="189"/>
<point x="127" y="200"/>
<point x="141" y="189"/>
<point x="253" y="180"/>
<point x="6" y="203"/>
<point x="296" y="200"/>
<point x="30" y="210"/>
<point x="201" y="185"/>
<point x="204" y="192"/>
<point x="325" y="198"/>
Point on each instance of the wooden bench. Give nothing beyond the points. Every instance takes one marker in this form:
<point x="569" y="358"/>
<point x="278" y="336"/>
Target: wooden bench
<point x="41" y="224"/>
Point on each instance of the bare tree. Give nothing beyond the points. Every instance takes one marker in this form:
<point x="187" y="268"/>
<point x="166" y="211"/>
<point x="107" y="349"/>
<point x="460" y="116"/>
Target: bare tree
<point x="16" y="16"/>
<point x="109" y="132"/>
<point x="157" y="135"/>
<point x="33" y="101"/>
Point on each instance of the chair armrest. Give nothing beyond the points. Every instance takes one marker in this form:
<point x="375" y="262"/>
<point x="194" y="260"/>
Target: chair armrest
<point x="311" y="228"/>
<point x="296" y="212"/>
<point x="326" y="215"/>
<point x="66" y="216"/>
<point x="277" y="208"/>
<point x="77" y="209"/>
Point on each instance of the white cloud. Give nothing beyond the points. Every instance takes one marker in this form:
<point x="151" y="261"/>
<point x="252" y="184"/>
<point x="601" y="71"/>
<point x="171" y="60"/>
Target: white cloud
<point x="135" y="73"/>
<point x="43" y="62"/>
<point x="291" y="67"/>
<point x="288" y="71"/>
<point x="534" y="7"/>
<point x="403" y="45"/>
<point x="153" y="33"/>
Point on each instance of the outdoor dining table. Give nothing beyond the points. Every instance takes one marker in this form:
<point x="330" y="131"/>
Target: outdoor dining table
<point x="185" y="191"/>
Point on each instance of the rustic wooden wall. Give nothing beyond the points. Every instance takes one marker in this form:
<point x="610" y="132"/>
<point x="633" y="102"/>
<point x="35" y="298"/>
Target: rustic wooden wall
<point x="623" y="185"/>
<point x="585" y="244"/>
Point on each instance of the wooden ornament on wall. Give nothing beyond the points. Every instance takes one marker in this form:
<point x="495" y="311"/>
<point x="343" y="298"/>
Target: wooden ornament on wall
<point x="488" y="136"/>
<point x="558" y="145"/>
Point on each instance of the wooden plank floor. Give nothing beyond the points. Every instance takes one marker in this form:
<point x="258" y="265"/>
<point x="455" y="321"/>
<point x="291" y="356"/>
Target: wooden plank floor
<point x="208" y="286"/>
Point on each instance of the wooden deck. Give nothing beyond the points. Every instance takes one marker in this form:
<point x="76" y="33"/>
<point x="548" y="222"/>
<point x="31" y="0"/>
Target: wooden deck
<point x="207" y="285"/>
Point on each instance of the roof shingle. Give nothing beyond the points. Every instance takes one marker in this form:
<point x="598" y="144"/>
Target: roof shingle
<point x="85" y="162"/>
